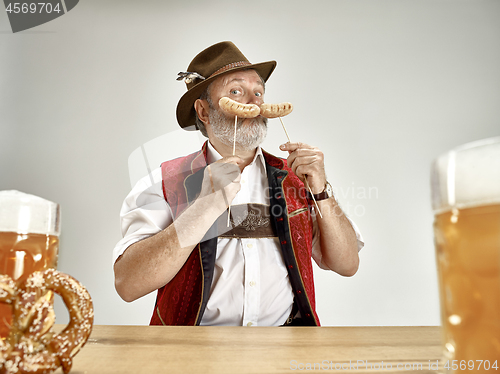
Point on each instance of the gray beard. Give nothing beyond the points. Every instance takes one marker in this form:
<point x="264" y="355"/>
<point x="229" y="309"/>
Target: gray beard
<point x="248" y="137"/>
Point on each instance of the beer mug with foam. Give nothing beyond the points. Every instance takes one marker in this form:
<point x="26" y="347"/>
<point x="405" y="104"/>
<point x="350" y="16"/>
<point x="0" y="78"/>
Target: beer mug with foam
<point x="466" y="202"/>
<point x="29" y="240"/>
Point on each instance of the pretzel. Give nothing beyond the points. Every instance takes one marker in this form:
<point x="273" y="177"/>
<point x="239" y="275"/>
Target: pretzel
<point x="275" y="110"/>
<point x="238" y="109"/>
<point x="31" y="347"/>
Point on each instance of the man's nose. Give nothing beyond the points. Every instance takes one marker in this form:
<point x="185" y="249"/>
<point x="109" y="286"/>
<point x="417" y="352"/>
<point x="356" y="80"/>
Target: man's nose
<point x="257" y="100"/>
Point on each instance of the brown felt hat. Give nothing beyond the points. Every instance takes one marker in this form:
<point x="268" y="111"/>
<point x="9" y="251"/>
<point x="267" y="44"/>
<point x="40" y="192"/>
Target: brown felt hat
<point x="210" y="64"/>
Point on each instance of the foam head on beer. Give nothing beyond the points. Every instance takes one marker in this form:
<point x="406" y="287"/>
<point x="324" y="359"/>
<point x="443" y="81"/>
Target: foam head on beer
<point x="467" y="176"/>
<point x="24" y="213"/>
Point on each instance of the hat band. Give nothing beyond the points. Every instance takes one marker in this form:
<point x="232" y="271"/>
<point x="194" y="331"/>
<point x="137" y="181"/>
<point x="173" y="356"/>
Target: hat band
<point x="230" y="66"/>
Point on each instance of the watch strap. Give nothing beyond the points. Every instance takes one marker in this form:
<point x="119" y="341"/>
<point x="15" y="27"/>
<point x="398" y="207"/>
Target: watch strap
<point x="325" y="194"/>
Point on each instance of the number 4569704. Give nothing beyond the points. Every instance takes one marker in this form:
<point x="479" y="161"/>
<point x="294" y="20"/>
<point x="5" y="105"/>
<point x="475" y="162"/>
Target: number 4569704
<point x="471" y="365"/>
<point x="32" y="8"/>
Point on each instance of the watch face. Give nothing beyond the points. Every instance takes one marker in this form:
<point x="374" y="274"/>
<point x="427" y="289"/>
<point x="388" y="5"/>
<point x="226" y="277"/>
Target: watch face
<point x="329" y="189"/>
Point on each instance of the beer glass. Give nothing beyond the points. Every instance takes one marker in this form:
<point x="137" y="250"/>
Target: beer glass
<point x="466" y="202"/>
<point x="29" y="240"/>
<point x="29" y="232"/>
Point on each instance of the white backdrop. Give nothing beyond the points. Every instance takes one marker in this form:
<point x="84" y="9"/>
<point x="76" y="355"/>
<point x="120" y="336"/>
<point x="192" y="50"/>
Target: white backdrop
<point x="381" y="86"/>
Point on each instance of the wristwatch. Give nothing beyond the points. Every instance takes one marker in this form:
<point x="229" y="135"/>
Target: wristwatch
<point x="326" y="194"/>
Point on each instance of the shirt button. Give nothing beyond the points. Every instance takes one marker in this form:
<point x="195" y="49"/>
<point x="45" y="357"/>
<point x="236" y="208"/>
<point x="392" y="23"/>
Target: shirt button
<point x="243" y="181"/>
<point x="252" y="283"/>
<point x="249" y="324"/>
<point x="249" y="245"/>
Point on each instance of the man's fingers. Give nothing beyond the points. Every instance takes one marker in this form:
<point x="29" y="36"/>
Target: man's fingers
<point x="306" y="160"/>
<point x="291" y="147"/>
<point x="309" y="155"/>
<point x="230" y="160"/>
<point x="306" y="156"/>
<point x="302" y="168"/>
<point x="222" y="174"/>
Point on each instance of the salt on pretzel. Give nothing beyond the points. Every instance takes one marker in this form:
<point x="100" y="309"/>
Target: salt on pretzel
<point x="238" y="109"/>
<point x="275" y="110"/>
<point x="31" y="347"/>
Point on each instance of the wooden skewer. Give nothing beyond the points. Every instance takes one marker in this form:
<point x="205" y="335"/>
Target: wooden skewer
<point x="284" y="128"/>
<point x="234" y="141"/>
<point x="312" y="195"/>
<point x="305" y="176"/>
<point x="234" y="153"/>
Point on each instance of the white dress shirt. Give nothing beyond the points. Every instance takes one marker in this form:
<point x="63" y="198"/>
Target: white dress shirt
<point x="250" y="285"/>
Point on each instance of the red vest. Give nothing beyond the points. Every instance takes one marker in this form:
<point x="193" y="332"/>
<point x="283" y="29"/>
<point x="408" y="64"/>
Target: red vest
<point x="183" y="300"/>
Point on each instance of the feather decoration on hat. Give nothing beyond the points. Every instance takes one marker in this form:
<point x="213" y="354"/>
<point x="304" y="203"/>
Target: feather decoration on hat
<point x="189" y="76"/>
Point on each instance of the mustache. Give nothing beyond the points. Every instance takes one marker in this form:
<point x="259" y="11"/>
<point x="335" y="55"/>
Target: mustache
<point x="259" y="120"/>
<point x="220" y="118"/>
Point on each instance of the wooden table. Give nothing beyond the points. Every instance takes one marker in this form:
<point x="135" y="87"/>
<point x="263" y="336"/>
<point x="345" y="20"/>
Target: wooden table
<point x="238" y="350"/>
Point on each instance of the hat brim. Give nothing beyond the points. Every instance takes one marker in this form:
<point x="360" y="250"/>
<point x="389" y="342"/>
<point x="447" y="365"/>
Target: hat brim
<point x="186" y="115"/>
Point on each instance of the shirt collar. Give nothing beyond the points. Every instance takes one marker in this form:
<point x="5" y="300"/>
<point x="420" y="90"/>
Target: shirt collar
<point x="213" y="155"/>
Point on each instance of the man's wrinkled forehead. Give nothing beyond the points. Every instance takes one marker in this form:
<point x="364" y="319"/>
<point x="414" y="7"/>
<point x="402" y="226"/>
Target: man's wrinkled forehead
<point x="240" y="76"/>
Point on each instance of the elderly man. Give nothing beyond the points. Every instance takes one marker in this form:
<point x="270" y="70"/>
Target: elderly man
<point x="255" y="268"/>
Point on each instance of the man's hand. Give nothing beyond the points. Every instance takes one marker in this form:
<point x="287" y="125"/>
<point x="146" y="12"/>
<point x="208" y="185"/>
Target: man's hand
<point x="222" y="178"/>
<point x="307" y="160"/>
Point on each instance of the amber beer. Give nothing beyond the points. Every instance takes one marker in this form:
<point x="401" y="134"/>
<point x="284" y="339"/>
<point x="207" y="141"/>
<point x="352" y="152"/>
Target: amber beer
<point x="29" y="229"/>
<point x="468" y="257"/>
<point x="21" y="255"/>
<point x="466" y="202"/>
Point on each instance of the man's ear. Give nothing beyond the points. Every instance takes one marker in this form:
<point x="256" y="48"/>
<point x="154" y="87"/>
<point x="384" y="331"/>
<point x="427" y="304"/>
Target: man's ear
<point x="201" y="107"/>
